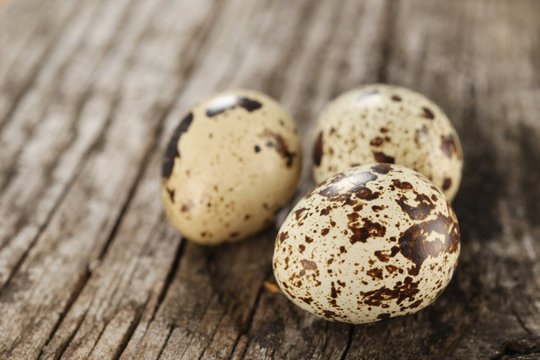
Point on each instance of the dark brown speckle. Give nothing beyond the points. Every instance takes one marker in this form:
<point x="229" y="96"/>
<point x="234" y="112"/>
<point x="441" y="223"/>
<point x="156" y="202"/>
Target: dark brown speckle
<point x="403" y="185"/>
<point x="329" y="314"/>
<point x="447" y="183"/>
<point x="307" y="300"/>
<point x="318" y="149"/>
<point x="419" y="212"/>
<point x="415" y="247"/>
<point x="381" y="168"/>
<point x="375" y="273"/>
<point x="308" y="264"/>
<point x="382" y="257"/>
<point x="171" y="194"/>
<point x="427" y="113"/>
<point x="186" y="207"/>
<point x="382" y="295"/>
<point x="281" y="147"/>
<point x="283" y="236"/>
<point x="334" y="192"/>
<point x="325" y="211"/>
<point x="415" y="304"/>
<point x="383" y="158"/>
<point x="378" y="141"/>
<point x="369" y="229"/>
<point x="219" y="106"/>
<point x="449" y="146"/>
<point x="172" y="148"/>
<point x="298" y="213"/>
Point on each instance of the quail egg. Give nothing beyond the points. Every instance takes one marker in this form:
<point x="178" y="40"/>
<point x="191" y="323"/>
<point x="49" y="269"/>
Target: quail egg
<point x="231" y="164"/>
<point x="388" y="124"/>
<point x="373" y="242"/>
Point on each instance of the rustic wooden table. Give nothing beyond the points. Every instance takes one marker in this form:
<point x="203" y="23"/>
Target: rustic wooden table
<point x="90" y="91"/>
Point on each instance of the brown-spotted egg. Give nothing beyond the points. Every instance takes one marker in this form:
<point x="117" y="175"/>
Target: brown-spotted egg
<point x="388" y="124"/>
<point x="373" y="242"/>
<point x="231" y="164"/>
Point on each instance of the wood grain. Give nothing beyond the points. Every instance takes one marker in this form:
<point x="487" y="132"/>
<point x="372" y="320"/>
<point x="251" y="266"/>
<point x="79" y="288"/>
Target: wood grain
<point x="89" y="93"/>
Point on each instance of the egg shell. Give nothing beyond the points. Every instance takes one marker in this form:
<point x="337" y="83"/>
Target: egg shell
<point x="388" y="124"/>
<point x="373" y="242"/>
<point x="231" y="164"/>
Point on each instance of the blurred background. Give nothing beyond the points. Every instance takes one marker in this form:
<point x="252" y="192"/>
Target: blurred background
<point x="90" y="91"/>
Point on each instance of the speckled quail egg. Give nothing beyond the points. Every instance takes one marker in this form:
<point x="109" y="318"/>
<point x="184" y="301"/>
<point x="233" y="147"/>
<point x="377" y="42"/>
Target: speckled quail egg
<point x="373" y="242"/>
<point x="231" y="164"/>
<point x="388" y="124"/>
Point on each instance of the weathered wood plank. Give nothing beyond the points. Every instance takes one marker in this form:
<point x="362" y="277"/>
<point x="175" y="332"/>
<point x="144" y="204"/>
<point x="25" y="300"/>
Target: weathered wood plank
<point x="213" y="328"/>
<point x="121" y="150"/>
<point x="39" y="168"/>
<point x="89" y="266"/>
<point x="477" y="40"/>
<point x="279" y="330"/>
<point x="38" y="27"/>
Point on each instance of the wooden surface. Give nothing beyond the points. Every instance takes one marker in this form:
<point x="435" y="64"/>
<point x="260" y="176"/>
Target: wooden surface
<point x="90" y="91"/>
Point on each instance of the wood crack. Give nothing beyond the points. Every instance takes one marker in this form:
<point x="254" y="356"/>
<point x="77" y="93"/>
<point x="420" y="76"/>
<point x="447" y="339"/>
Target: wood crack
<point x="34" y="241"/>
<point x="349" y="343"/>
<point x="170" y="277"/>
<point x="70" y="181"/>
<point x="222" y="315"/>
<point x="57" y="203"/>
<point x="521" y="323"/>
<point x="132" y="190"/>
<point x="249" y="322"/>
<point x="65" y="344"/>
<point x="79" y="102"/>
<point x="103" y="328"/>
<point x="325" y="342"/>
<point x="74" y="296"/>
<point x="129" y="333"/>
<point x="169" y="333"/>
<point x="187" y="69"/>
<point x="515" y="348"/>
